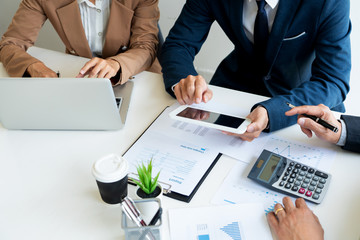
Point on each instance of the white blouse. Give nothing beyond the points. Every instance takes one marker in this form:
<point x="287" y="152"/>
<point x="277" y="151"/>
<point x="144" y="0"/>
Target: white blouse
<point x="94" y="19"/>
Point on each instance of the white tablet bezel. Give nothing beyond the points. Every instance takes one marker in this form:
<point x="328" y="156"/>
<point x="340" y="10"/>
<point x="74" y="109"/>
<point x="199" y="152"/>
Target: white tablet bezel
<point x="240" y="130"/>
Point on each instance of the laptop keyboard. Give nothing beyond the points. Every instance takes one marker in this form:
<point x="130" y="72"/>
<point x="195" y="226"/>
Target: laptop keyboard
<point x="118" y="102"/>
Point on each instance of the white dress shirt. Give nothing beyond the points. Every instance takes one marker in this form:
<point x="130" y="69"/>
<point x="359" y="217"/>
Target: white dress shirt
<point x="250" y="12"/>
<point x="94" y="19"/>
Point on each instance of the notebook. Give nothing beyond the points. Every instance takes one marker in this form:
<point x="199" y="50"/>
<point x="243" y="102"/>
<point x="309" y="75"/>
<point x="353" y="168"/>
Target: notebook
<point x="63" y="103"/>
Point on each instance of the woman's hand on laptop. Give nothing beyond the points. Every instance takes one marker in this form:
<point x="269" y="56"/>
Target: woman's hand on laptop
<point x="99" y="68"/>
<point x="38" y="69"/>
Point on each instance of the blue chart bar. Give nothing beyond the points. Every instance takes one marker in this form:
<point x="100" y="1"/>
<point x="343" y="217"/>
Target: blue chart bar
<point x="204" y="237"/>
<point x="203" y="232"/>
<point x="271" y="208"/>
<point x="232" y="230"/>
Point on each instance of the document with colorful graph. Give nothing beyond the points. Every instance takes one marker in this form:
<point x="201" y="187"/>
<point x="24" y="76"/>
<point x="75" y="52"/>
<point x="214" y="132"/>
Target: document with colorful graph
<point x="229" y="222"/>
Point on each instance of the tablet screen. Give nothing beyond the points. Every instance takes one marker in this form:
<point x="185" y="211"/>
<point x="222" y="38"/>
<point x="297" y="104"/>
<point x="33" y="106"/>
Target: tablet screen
<point x="211" y="117"/>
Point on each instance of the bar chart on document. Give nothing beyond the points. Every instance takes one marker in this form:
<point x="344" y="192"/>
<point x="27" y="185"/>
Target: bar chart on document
<point x="231" y="222"/>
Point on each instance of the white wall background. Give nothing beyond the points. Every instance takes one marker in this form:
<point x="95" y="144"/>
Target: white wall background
<point x="215" y="48"/>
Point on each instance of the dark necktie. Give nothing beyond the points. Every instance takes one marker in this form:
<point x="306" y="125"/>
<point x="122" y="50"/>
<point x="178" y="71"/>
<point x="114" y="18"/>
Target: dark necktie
<point x="261" y="31"/>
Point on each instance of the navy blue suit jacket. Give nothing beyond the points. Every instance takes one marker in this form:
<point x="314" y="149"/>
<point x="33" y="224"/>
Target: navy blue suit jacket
<point x="353" y="133"/>
<point x="307" y="58"/>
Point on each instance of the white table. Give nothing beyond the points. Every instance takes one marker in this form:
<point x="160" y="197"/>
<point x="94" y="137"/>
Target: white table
<point x="48" y="191"/>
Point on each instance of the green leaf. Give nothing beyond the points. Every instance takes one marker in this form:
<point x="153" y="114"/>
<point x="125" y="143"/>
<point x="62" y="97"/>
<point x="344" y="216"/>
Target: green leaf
<point x="141" y="174"/>
<point x="154" y="183"/>
<point x="156" y="178"/>
<point x="146" y="181"/>
<point x="150" y="167"/>
<point x="146" y="191"/>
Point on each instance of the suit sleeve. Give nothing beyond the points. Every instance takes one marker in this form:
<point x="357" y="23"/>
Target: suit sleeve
<point x="184" y="42"/>
<point x="329" y="82"/>
<point x="143" y="41"/>
<point x="21" y="34"/>
<point x="353" y="133"/>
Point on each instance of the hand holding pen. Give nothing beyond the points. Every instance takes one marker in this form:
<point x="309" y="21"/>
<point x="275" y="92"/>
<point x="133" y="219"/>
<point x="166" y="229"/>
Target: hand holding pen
<point x="318" y="119"/>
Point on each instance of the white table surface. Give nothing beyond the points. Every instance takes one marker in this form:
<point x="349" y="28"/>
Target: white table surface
<point x="48" y="192"/>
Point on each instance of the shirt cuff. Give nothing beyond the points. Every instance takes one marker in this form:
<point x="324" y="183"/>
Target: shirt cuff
<point x="173" y="86"/>
<point x="343" y="135"/>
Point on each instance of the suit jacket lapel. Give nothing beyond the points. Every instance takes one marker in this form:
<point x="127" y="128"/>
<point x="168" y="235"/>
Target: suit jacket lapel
<point x="237" y="25"/>
<point x="116" y="36"/>
<point x="284" y="16"/>
<point x="71" y="23"/>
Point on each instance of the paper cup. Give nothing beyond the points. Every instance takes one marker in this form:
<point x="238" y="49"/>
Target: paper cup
<point x="111" y="174"/>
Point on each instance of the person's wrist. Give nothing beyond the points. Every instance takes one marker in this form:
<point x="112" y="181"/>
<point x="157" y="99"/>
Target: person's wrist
<point x="340" y="138"/>
<point x="30" y="68"/>
<point x="264" y="113"/>
<point x="115" y="64"/>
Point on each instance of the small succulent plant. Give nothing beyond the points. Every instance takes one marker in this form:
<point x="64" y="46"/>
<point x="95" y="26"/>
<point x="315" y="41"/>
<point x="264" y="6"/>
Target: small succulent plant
<point x="146" y="182"/>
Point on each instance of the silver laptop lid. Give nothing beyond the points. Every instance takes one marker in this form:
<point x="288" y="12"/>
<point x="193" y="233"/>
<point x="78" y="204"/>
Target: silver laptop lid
<point x="60" y="104"/>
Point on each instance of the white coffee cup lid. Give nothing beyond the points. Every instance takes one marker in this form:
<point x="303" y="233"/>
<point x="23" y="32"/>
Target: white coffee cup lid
<point x="110" y="168"/>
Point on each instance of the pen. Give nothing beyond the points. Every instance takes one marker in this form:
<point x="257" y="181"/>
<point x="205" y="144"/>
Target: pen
<point x="156" y="216"/>
<point x="132" y="212"/>
<point x="318" y="120"/>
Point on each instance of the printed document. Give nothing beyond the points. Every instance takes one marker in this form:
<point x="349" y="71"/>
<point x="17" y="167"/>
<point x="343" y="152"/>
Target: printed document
<point x="229" y="222"/>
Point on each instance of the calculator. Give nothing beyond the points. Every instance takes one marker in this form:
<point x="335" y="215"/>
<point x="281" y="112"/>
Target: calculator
<point x="290" y="177"/>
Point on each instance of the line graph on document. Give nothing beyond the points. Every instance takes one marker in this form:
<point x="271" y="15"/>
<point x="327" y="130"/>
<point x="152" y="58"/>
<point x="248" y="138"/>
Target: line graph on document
<point x="299" y="152"/>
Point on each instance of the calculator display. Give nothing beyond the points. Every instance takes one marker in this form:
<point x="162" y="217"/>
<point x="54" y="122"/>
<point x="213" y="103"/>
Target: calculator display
<point x="269" y="168"/>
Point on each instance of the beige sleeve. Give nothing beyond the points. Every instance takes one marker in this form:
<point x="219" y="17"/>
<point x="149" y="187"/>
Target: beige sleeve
<point x="21" y="35"/>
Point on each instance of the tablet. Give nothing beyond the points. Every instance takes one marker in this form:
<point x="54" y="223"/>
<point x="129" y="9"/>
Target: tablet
<point x="210" y="119"/>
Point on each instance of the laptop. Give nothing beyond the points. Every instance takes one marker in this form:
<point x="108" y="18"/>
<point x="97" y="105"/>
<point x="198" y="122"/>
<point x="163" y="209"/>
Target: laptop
<point x="63" y="103"/>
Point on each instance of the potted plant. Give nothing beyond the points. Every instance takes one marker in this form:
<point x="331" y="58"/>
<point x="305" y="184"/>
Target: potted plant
<point x="148" y="186"/>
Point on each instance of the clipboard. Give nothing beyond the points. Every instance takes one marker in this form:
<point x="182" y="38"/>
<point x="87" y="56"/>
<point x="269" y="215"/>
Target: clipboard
<point x="167" y="191"/>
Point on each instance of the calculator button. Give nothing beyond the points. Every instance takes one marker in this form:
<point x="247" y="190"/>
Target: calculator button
<point x="287" y="173"/>
<point x="282" y="183"/>
<point x="300" y="178"/>
<point x="313" y="183"/>
<point x="315" y="196"/>
<point x="309" y="175"/>
<point x="295" y="188"/>
<point x="323" y="181"/>
<point x="321" y="174"/>
<point x="297" y="183"/>
<point x="311" y="188"/>
<point x="292" y="164"/>
<point x="304" y="168"/>
<point x="302" y="173"/>
<point x="304" y="185"/>
<point x="297" y="166"/>
<point x="301" y="191"/>
<point x="288" y="185"/>
<point x="315" y="178"/>
<point x="285" y="178"/>
<point x="306" y="180"/>
<point x="293" y="175"/>
<point x="289" y="169"/>
<point x="318" y="190"/>
<point x="320" y="185"/>
<point x="311" y="170"/>
<point x="308" y="193"/>
<point x="291" y="180"/>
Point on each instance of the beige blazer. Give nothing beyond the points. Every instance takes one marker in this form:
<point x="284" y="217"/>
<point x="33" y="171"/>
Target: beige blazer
<point x="131" y="37"/>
